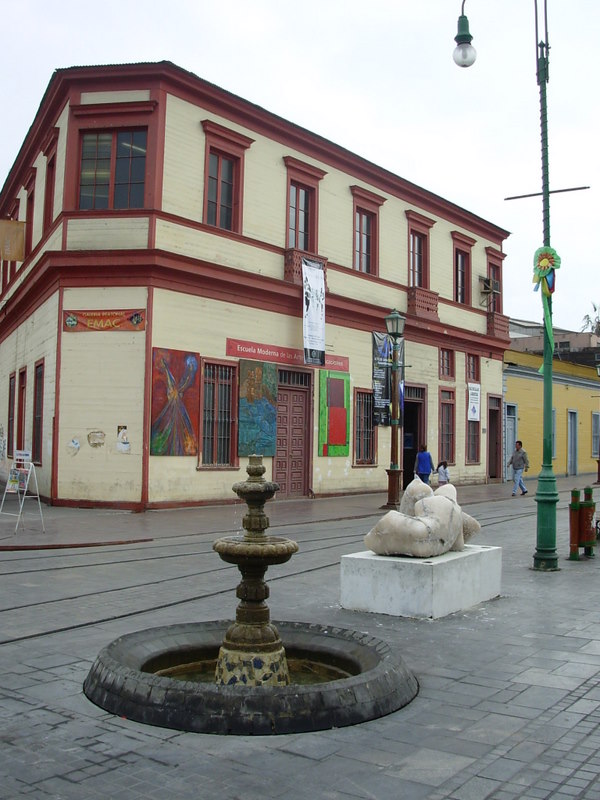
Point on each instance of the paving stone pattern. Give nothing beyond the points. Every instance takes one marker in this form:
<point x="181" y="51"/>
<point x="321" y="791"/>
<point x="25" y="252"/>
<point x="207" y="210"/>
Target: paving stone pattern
<point x="509" y="700"/>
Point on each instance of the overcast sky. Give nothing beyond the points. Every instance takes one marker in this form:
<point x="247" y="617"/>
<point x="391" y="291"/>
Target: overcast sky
<point x="377" y="78"/>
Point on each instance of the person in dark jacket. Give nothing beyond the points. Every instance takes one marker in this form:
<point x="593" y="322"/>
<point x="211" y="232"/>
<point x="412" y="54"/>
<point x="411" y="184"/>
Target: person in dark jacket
<point x="424" y="464"/>
<point x="519" y="462"/>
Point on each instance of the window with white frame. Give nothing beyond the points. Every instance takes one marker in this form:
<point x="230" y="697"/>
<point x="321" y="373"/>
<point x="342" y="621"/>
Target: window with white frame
<point x="595" y="434"/>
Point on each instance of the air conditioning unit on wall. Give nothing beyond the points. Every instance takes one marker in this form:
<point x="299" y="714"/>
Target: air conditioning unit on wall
<point x="489" y="286"/>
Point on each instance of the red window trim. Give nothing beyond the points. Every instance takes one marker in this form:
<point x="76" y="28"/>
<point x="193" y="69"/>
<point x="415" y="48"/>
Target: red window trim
<point x="37" y="457"/>
<point x="452" y="402"/>
<point x="29" y="186"/>
<point x="21" y="407"/>
<point x="235" y="461"/>
<point x="451" y="375"/>
<point x="477" y="378"/>
<point x="417" y="223"/>
<point x="307" y="176"/>
<point x="49" y="151"/>
<point x="463" y="244"/>
<point x="12" y="404"/>
<point x="12" y="265"/>
<point x="494" y="263"/>
<point x="355" y="462"/>
<point x="232" y="144"/>
<point x="469" y="422"/>
<point x="369" y="203"/>
<point x="94" y="117"/>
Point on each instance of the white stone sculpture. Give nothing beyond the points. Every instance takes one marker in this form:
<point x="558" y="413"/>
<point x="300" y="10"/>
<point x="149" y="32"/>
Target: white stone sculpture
<point x="428" y="524"/>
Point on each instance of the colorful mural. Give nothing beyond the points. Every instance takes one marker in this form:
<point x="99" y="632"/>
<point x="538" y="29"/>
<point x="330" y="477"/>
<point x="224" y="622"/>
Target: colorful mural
<point x="334" y="413"/>
<point x="175" y="403"/>
<point x="257" y="409"/>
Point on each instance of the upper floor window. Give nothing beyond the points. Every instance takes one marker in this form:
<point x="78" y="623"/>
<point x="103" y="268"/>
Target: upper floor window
<point x="224" y="176"/>
<point x="302" y="205"/>
<point x="221" y="183"/>
<point x="366" y="230"/>
<point x="363" y="241"/>
<point x="461" y="274"/>
<point x="418" y="249"/>
<point x="446" y="364"/>
<point x="50" y="153"/>
<point x="29" y="211"/>
<point x="472" y="368"/>
<point x="113" y="170"/>
<point x="494" y="273"/>
<point x="301" y="217"/>
<point x="462" y="267"/>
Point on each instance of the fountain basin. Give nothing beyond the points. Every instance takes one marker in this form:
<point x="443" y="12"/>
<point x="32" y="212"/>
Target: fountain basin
<point x="123" y="681"/>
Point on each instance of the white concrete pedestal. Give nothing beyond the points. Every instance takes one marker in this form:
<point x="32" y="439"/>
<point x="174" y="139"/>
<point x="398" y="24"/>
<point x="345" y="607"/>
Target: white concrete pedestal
<point x="420" y="587"/>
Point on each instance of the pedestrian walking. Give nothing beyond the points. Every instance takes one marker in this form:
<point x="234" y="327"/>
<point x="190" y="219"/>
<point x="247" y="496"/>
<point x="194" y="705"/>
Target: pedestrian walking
<point x="443" y="473"/>
<point x="424" y="464"/>
<point x="519" y="462"/>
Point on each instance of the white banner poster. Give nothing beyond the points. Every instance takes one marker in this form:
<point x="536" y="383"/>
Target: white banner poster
<point x="313" y="308"/>
<point x="473" y="414"/>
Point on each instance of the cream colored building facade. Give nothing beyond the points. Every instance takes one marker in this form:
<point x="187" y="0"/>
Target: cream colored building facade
<point x="166" y="223"/>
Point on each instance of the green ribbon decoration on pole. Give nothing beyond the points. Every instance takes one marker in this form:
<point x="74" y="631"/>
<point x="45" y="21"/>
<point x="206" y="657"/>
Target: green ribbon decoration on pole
<point x="545" y="261"/>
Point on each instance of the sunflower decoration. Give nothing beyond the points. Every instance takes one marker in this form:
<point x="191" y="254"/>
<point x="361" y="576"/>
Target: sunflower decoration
<point x="545" y="261"/>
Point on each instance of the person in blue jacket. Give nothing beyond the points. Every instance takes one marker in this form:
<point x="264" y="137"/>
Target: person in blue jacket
<point x="424" y="464"/>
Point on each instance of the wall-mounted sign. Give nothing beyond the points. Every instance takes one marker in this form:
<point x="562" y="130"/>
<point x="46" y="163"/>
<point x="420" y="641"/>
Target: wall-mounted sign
<point x="473" y="414"/>
<point x="101" y="320"/>
<point x="256" y="351"/>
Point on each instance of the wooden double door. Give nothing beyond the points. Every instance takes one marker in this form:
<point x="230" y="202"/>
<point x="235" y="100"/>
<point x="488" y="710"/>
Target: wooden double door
<point x="292" y="456"/>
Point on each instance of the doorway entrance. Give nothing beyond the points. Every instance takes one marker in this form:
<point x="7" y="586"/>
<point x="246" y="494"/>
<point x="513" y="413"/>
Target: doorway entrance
<point x="510" y="430"/>
<point x="414" y="411"/>
<point x="494" y="439"/>
<point x="292" y="454"/>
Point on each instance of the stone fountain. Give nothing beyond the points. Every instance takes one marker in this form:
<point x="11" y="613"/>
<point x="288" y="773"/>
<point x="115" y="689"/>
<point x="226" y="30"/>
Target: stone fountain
<point x="235" y="678"/>
<point x="252" y="652"/>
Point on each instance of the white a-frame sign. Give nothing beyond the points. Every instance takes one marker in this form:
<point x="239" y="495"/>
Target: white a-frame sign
<point x="22" y="483"/>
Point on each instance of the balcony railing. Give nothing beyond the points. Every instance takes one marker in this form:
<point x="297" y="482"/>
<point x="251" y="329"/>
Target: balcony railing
<point x="422" y="303"/>
<point x="292" y="270"/>
<point x="497" y="325"/>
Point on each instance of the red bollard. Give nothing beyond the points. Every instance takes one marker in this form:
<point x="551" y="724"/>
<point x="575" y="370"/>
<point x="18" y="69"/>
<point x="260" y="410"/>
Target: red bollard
<point x="587" y="534"/>
<point x="574" y="525"/>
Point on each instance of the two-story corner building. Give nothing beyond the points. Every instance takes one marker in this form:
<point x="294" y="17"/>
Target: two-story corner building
<point x="152" y="336"/>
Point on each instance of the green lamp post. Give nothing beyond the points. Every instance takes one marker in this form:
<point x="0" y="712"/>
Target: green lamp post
<point x="545" y="262"/>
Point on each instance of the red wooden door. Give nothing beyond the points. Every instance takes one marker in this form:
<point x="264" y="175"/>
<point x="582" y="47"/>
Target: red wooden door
<point x="291" y="457"/>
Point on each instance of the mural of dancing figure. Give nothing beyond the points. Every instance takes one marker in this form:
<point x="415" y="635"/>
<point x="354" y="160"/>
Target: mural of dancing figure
<point x="175" y="403"/>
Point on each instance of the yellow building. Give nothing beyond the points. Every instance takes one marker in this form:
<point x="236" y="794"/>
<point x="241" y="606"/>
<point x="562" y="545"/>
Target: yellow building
<point x="575" y="413"/>
<point x="154" y="331"/>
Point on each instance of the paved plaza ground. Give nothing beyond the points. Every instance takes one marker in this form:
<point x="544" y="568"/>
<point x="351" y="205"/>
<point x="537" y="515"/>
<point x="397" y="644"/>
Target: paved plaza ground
<point x="509" y="698"/>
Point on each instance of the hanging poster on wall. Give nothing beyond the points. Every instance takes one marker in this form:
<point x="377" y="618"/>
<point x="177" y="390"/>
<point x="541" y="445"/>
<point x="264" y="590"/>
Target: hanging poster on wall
<point x="313" y="312"/>
<point x="257" y="409"/>
<point x="175" y="403"/>
<point x="473" y="414"/>
<point x="382" y="377"/>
